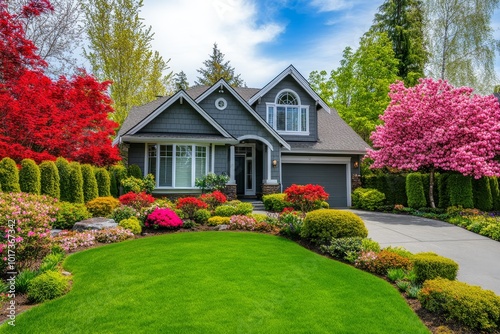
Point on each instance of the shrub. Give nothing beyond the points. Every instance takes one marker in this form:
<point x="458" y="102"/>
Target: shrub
<point x="460" y="188"/>
<point x="495" y="193"/>
<point x="401" y="251"/>
<point x="368" y="199"/>
<point x="136" y="200"/>
<point x="320" y="226"/>
<point x="46" y="286"/>
<point x="469" y="305"/>
<point x="218" y="220"/>
<point x="134" y="171"/>
<point x="306" y="198"/>
<point x="201" y="216"/>
<point x="344" y="248"/>
<point x="49" y="179"/>
<point x="370" y="245"/>
<point x="29" y="177"/>
<point x="430" y="265"/>
<point x="9" y="175"/>
<point x="275" y="202"/>
<point x="69" y="214"/>
<point x="163" y="218"/>
<point x="396" y="274"/>
<point x="241" y="222"/>
<point x="244" y="208"/>
<point x="113" y="185"/>
<point x="123" y="212"/>
<point x="259" y="217"/>
<point x="381" y="262"/>
<point x="214" y="199"/>
<point x="137" y="185"/>
<point x="119" y="172"/>
<point x="443" y="191"/>
<point x="112" y="235"/>
<point x="23" y="280"/>
<point x="72" y="240"/>
<point x="212" y="182"/>
<point x="90" y="190"/>
<point x="481" y="190"/>
<point x="103" y="182"/>
<point x="64" y="170"/>
<point x="131" y="224"/>
<point x="189" y="206"/>
<point x="225" y="211"/>
<point x="290" y="223"/>
<point x="51" y="262"/>
<point x="102" y="206"/>
<point x="75" y="183"/>
<point x="415" y="191"/>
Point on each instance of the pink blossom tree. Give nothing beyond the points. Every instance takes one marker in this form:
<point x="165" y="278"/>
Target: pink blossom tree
<point x="434" y="126"/>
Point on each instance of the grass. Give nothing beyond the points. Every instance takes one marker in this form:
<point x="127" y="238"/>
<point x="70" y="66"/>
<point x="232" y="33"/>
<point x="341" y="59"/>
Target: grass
<point x="218" y="282"/>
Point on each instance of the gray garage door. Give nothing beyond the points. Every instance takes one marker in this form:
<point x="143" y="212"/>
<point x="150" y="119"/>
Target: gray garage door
<point x="331" y="176"/>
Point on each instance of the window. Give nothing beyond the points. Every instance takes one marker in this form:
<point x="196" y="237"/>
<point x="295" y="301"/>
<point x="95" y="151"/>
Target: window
<point x="221" y="103"/>
<point x="287" y="115"/>
<point x="177" y="166"/>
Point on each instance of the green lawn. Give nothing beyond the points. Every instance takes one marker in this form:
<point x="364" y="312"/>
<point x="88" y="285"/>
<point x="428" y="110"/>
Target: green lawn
<point x="218" y="282"/>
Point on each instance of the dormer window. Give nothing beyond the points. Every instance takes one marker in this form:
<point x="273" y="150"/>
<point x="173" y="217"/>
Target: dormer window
<point x="287" y="115"/>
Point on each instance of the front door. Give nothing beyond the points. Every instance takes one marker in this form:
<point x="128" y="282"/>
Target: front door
<point x="245" y="169"/>
<point x="239" y="170"/>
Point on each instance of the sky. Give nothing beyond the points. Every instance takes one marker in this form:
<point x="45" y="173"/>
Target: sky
<point x="261" y="38"/>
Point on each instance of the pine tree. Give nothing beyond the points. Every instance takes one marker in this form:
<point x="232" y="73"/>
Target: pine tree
<point x="216" y="68"/>
<point x="181" y="81"/>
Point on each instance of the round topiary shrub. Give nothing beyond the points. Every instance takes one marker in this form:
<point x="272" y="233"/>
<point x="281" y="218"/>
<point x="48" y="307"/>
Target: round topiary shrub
<point x="46" y="286"/>
<point x="460" y="188"/>
<point x="225" y="210"/>
<point x="368" y="199"/>
<point x="218" y="220"/>
<point x="275" y="202"/>
<point x="9" y="176"/>
<point x="415" y="191"/>
<point x="320" y="226"/>
<point x="201" y="216"/>
<point x="29" y="177"/>
<point x="163" y="217"/>
<point x="102" y="206"/>
<point x="75" y="184"/>
<point x="64" y="171"/>
<point x="131" y="224"/>
<point x="134" y="171"/>
<point x="49" y="179"/>
<point x="103" y="182"/>
<point x="89" y="183"/>
<point x="430" y="265"/>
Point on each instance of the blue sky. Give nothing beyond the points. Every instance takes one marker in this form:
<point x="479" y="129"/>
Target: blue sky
<point x="260" y="38"/>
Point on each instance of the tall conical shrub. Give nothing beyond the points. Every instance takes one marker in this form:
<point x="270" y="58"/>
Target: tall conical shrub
<point x="482" y="194"/>
<point x="460" y="188"/>
<point x="75" y="183"/>
<point x="113" y="188"/>
<point x="415" y="191"/>
<point x="444" y="193"/>
<point x="29" y="177"/>
<point x="495" y="193"/>
<point x="9" y="175"/>
<point x="90" y="190"/>
<point x="134" y="171"/>
<point x="49" y="179"/>
<point x="119" y="172"/>
<point x="103" y="182"/>
<point x="64" y="169"/>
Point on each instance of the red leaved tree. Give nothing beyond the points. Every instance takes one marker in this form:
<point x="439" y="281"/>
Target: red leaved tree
<point x="41" y="118"/>
<point x="435" y="126"/>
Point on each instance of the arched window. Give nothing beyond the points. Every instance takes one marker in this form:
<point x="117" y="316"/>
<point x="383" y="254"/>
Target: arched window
<point x="287" y="115"/>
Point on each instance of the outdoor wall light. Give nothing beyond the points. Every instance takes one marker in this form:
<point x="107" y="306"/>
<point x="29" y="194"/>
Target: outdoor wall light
<point x="356" y="164"/>
<point x="275" y="163"/>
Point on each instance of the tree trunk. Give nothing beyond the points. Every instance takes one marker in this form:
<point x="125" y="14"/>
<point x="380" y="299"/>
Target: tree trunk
<point x="431" y="189"/>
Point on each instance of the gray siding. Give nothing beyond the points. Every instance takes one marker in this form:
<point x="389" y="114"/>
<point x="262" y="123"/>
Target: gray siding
<point x="221" y="160"/>
<point x="180" y="118"/>
<point x="136" y="155"/>
<point x="289" y="83"/>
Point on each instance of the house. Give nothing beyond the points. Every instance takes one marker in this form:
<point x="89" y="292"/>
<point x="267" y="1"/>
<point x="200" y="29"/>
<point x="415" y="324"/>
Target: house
<point x="264" y="139"/>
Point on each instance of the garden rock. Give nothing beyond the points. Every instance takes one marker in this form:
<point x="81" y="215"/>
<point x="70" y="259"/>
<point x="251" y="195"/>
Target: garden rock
<point x="222" y="227"/>
<point x="95" y="224"/>
<point x="55" y="232"/>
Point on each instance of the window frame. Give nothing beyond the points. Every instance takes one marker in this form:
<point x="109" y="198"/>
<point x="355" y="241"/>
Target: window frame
<point x="272" y="114"/>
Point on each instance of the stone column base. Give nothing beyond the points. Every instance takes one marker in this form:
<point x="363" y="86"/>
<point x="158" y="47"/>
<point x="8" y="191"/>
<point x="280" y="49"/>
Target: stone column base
<point x="270" y="189"/>
<point x="230" y="192"/>
<point x="356" y="181"/>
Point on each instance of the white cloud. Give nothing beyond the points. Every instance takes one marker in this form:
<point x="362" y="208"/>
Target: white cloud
<point x="331" y="5"/>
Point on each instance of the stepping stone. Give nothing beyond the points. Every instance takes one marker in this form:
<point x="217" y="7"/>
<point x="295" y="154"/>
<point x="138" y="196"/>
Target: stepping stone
<point x="98" y="223"/>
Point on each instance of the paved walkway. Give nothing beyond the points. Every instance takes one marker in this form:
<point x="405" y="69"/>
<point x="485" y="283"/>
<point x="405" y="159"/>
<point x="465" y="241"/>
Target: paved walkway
<point x="478" y="257"/>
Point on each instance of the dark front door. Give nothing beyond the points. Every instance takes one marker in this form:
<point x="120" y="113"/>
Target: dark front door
<point x="239" y="171"/>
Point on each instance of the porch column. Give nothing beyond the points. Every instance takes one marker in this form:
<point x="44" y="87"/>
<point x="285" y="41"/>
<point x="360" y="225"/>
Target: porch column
<point x="231" y="165"/>
<point x="269" y="165"/>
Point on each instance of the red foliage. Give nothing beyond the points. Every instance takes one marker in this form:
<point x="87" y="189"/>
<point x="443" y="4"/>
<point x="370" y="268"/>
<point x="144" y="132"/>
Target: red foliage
<point x="136" y="200"/>
<point x="189" y="205"/>
<point x="214" y="199"/>
<point x="43" y="119"/>
<point x="305" y="197"/>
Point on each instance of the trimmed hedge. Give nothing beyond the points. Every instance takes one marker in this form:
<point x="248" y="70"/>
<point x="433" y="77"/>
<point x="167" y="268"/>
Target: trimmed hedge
<point x="64" y="170"/>
<point x="131" y="224"/>
<point x="428" y="266"/>
<point x="469" y="305"/>
<point x="460" y="188"/>
<point x="443" y="191"/>
<point x="102" y="206"/>
<point x="495" y="193"/>
<point x="113" y="186"/>
<point x="103" y="182"/>
<point x="320" y="226"/>
<point x="119" y="173"/>
<point x="89" y="183"/>
<point x="75" y="184"/>
<point x="134" y="171"/>
<point x="275" y="202"/>
<point x="415" y="191"/>
<point x="29" y="177"/>
<point x="9" y="176"/>
<point x="482" y="194"/>
<point x="46" y="286"/>
<point x="49" y="179"/>
<point x="368" y="199"/>
<point x="218" y="220"/>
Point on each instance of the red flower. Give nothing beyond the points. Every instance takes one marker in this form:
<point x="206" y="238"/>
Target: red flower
<point x="305" y="197"/>
<point x="137" y="201"/>
<point x="189" y="205"/>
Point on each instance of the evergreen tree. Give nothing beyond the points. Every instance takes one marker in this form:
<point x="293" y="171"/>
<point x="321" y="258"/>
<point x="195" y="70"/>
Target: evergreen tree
<point x="76" y="183"/>
<point x="9" y="175"/>
<point x="216" y="69"/>
<point x="29" y="177"/>
<point x="90" y="190"/>
<point x="64" y="169"/>
<point x="103" y="182"/>
<point x="49" y="179"/>
<point x="181" y="81"/>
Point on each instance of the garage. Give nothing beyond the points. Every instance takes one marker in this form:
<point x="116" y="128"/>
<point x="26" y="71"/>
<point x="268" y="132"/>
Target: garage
<point x="333" y="178"/>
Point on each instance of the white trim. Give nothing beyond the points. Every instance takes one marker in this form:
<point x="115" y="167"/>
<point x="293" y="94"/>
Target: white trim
<point x="231" y="165"/>
<point x="155" y="140"/>
<point x="289" y="159"/>
<point x="224" y="103"/>
<point x="212" y="162"/>
<point x="249" y="191"/>
<point x="291" y="70"/>
<point x="245" y="137"/>
<point x="146" y="160"/>
<point x="287" y="90"/>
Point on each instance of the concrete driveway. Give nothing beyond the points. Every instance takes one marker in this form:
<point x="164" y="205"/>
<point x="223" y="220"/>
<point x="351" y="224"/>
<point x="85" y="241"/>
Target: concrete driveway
<point x="478" y="257"/>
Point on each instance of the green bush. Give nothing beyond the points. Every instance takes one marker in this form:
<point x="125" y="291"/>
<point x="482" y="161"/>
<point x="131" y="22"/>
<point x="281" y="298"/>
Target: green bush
<point x="131" y="224"/>
<point x="368" y="199"/>
<point x="103" y="182"/>
<point x="244" y="208"/>
<point x="201" y="216"/>
<point x="483" y="200"/>
<point x="64" y="170"/>
<point x="430" y="265"/>
<point x="113" y="185"/>
<point x="75" y="184"/>
<point x="90" y="190"/>
<point x="225" y="210"/>
<point x="49" y="285"/>
<point x="218" y="220"/>
<point x="69" y="214"/>
<point x="211" y="182"/>
<point x="102" y="206"/>
<point x="49" y="179"/>
<point x="123" y="212"/>
<point x="9" y="176"/>
<point x="119" y="172"/>
<point x="51" y="262"/>
<point x="134" y="171"/>
<point x="470" y="305"/>
<point x="275" y="202"/>
<point x="415" y="191"/>
<point x="344" y="248"/>
<point x="29" y="177"/>
<point x="495" y="193"/>
<point x="444" y="193"/>
<point x="395" y="191"/>
<point x="320" y="226"/>
<point x="23" y="280"/>
<point x="460" y="188"/>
